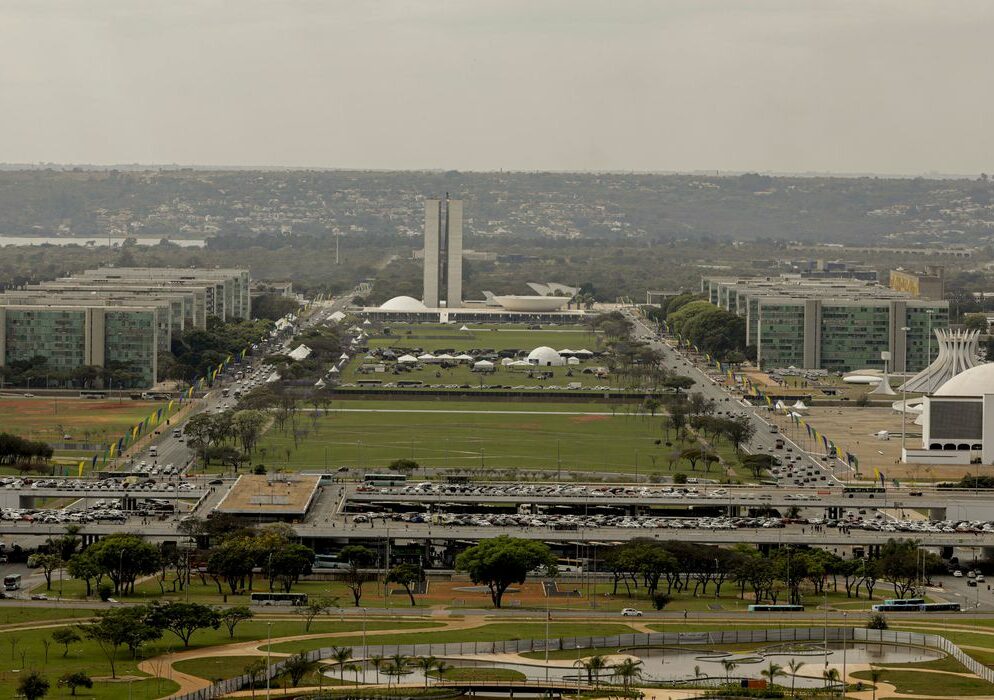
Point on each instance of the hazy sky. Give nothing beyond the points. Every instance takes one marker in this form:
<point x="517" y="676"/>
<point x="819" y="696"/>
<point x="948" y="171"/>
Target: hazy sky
<point x="777" y="85"/>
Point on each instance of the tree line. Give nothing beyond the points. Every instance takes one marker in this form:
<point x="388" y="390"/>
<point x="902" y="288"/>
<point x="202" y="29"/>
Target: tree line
<point x="16" y="450"/>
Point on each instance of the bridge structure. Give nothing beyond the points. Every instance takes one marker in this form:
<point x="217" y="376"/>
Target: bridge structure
<point x="27" y="497"/>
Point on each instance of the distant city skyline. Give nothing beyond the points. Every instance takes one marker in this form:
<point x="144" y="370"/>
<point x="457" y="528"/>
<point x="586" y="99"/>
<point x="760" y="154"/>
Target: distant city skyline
<point x="892" y="87"/>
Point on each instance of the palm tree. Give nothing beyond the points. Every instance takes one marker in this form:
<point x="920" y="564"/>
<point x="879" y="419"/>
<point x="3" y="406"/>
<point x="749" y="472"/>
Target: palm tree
<point x="794" y="667"/>
<point x="341" y="655"/>
<point x="628" y="670"/>
<point x="377" y="663"/>
<point x="771" y="673"/>
<point x="593" y="666"/>
<point x="354" y="668"/>
<point x="426" y="664"/>
<point x="729" y="666"/>
<point x="697" y="672"/>
<point x="831" y="675"/>
<point x="875" y="674"/>
<point x="440" y="668"/>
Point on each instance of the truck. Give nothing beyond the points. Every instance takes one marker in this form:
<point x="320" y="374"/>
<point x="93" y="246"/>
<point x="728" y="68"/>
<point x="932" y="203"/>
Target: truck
<point x="779" y="444"/>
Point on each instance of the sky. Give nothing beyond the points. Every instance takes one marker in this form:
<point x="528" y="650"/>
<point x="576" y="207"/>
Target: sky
<point x="861" y="86"/>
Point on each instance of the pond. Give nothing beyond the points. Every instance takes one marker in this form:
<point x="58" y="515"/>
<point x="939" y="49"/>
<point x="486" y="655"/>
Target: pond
<point x="681" y="663"/>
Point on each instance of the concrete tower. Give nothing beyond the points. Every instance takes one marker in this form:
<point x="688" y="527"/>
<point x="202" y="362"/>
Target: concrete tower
<point x="443" y="252"/>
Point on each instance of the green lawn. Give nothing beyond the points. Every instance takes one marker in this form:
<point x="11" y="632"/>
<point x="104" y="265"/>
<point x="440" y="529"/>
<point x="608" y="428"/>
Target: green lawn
<point x="48" y="419"/>
<point x="925" y="683"/>
<point x="15" y="614"/>
<point x="480" y="673"/>
<point x="214" y="668"/>
<point x="482" y="435"/>
<point x="484" y="633"/>
<point x="432" y="337"/>
<point x="460" y="375"/>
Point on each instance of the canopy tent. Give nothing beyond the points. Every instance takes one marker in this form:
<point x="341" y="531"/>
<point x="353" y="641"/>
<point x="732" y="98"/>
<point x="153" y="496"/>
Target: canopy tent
<point x="406" y="359"/>
<point x="464" y="328"/>
<point x="572" y="360"/>
<point x="426" y="357"/>
<point x="444" y="357"/>
<point x="585" y="352"/>
<point x="464" y="358"/>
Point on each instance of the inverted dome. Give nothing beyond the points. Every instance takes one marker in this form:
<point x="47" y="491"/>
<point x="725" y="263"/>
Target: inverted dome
<point x="975" y="381"/>
<point x="545" y="356"/>
<point x="403" y="304"/>
<point x="515" y="302"/>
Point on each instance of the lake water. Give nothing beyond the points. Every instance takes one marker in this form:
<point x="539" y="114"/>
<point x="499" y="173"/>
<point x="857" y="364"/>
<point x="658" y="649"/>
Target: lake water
<point x="96" y="241"/>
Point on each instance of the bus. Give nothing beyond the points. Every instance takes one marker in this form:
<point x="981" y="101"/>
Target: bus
<point x="919" y="607"/>
<point x="11" y="582"/>
<point x="385" y="479"/>
<point x="279" y="599"/>
<point x="329" y="561"/>
<point x="852" y="491"/>
<point x="904" y="601"/>
<point x="776" y="608"/>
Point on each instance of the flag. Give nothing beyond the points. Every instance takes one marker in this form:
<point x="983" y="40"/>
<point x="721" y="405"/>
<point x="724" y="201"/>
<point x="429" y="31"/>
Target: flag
<point x="882" y="477"/>
<point x="93" y="463"/>
<point x="81" y="464"/>
<point x="876" y="474"/>
<point x="244" y="352"/>
<point x="170" y="406"/>
<point x="134" y="431"/>
<point x="113" y="447"/>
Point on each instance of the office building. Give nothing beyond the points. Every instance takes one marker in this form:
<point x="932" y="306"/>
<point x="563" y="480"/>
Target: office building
<point x="443" y="253"/>
<point x="120" y="319"/>
<point x="930" y="284"/>
<point x="838" y="325"/>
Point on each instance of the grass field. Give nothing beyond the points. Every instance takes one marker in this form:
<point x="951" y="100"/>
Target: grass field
<point x="432" y="337"/>
<point x="925" y="683"/>
<point x="48" y="419"/>
<point x="485" y="435"/>
<point x="434" y="375"/>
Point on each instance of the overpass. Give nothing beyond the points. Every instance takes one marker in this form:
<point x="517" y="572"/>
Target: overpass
<point x="25" y="497"/>
<point x="338" y="534"/>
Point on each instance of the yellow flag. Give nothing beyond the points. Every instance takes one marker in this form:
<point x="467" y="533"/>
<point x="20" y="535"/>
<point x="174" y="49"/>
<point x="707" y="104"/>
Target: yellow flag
<point x="81" y="468"/>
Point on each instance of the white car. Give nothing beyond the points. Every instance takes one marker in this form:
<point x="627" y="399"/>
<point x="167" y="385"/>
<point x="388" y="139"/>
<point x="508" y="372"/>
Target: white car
<point x="958" y="573"/>
<point x="631" y="612"/>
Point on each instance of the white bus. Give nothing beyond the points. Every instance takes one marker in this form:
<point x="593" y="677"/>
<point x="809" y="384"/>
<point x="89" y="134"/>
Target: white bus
<point x="279" y="599"/>
<point x="11" y="582"/>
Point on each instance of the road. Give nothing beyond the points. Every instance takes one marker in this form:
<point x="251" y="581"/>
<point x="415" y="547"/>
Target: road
<point x="764" y="440"/>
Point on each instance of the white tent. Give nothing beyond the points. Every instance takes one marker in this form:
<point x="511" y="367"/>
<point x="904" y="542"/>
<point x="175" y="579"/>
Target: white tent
<point x="520" y="363"/>
<point x="780" y="406"/>
<point x="426" y="357"/>
<point x="301" y="352"/>
<point x="367" y="322"/>
<point x="506" y="361"/>
<point x="799" y="406"/>
<point x="464" y="358"/>
<point x="483" y="364"/>
<point x="464" y="328"/>
<point x="406" y="359"/>
<point x="333" y="370"/>
<point x="343" y="356"/>
<point x="572" y="360"/>
<point x="444" y="357"/>
<point x="319" y="384"/>
<point x="566" y="351"/>
<point x="584" y="352"/>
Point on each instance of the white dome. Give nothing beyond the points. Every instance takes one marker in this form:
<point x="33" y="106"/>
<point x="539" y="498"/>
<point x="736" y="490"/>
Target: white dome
<point x="403" y="304"/>
<point x="516" y="302"/>
<point x="975" y="381"/>
<point x="545" y="356"/>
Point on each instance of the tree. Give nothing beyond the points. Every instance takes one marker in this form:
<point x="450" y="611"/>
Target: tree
<point x="247" y="425"/>
<point x="976" y="322"/>
<point x="65" y="636"/>
<point x="759" y="463"/>
<point x="794" y="666"/>
<point x="628" y="671"/>
<point x="84" y="567"/>
<point x="290" y="563"/>
<point x="899" y="565"/>
<point x="831" y="676"/>
<point x="404" y="466"/>
<point x="75" y="679"/>
<point x="341" y="655"/>
<point x="593" y="666"/>
<point x="427" y="665"/>
<point x="183" y="619"/>
<point x="230" y="617"/>
<point x="407" y="575"/>
<point x="298" y="666"/>
<point x="254" y="669"/>
<point x="33" y="686"/>
<point x="772" y="672"/>
<point x="125" y="557"/>
<point x="739" y="430"/>
<point x="231" y="562"/>
<point x="357" y="557"/>
<point x="314" y="607"/>
<point x="875" y="675"/>
<point x="729" y="666"/>
<point x="660" y="600"/>
<point x="127" y="626"/>
<point x="876" y="622"/>
<point x="501" y="561"/>
<point x="48" y="563"/>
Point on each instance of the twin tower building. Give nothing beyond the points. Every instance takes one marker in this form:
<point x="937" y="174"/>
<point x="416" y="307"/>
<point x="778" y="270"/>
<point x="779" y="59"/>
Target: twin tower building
<point x="443" y="253"/>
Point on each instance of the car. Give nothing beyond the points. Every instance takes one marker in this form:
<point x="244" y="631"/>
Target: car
<point x="980" y="578"/>
<point x="216" y="482"/>
<point x="631" y="612"/>
<point x="971" y="582"/>
<point x="39" y="596"/>
<point x="958" y="573"/>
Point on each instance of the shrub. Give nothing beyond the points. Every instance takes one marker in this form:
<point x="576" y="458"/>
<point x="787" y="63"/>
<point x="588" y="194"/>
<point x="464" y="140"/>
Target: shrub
<point x="104" y="590"/>
<point x="877" y="622"/>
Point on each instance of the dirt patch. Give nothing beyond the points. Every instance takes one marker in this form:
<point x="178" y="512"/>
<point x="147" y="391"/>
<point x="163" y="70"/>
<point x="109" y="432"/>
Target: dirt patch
<point x="587" y="419"/>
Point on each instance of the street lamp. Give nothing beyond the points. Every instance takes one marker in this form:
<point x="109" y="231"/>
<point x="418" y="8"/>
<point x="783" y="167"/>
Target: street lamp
<point x="269" y="647"/>
<point x="928" y="356"/>
<point x="904" y="398"/>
